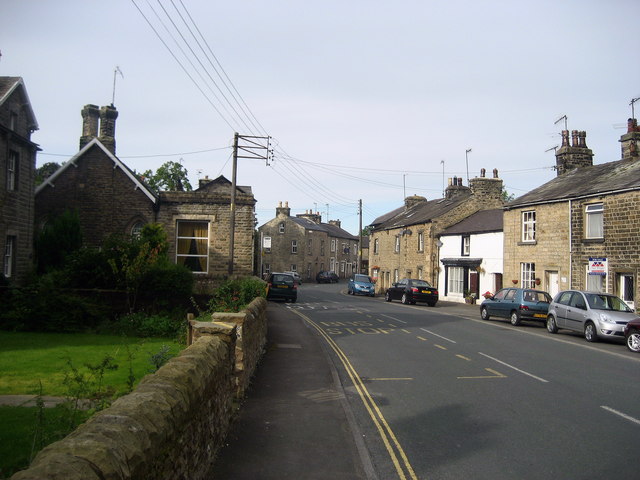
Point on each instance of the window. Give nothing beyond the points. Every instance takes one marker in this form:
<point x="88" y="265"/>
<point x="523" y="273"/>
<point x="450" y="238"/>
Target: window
<point x="193" y="245"/>
<point x="9" y="256"/>
<point x="395" y="275"/>
<point x="419" y="269"/>
<point x="294" y="267"/>
<point x="294" y="246"/>
<point x="375" y="273"/>
<point x="528" y="275"/>
<point x="12" y="171"/>
<point x="375" y="246"/>
<point x="466" y="245"/>
<point x="345" y="248"/>
<point x="594" y="221"/>
<point x="455" y="282"/>
<point x="267" y="268"/>
<point x="529" y="226"/>
<point x="13" y="121"/>
<point x="281" y="227"/>
<point x="420" y="241"/>
<point x="136" y="230"/>
<point x="596" y="283"/>
<point x="397" y="247"/>
<point x="309" y="246"/>
<point x="322" y="247"/>
<point x="333" y="245"/>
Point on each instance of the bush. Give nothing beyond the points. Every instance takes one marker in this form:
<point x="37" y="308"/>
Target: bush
<point x="143" y="325"/>
<point x="234" y="295"/>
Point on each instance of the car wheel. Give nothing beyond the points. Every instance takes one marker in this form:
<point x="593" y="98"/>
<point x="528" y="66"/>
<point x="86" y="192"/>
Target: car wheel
<point x="515" y="318"/>
<point x="387" y="297"/>
<point x="633" y="341"/>
<point x="484" y="313"/>
<point x="431" y="304"/>
<point x="590" y="332"/>
<point x="552" y="327"/>
<point x="405" y="300"/>
<point x="294" y="300"/>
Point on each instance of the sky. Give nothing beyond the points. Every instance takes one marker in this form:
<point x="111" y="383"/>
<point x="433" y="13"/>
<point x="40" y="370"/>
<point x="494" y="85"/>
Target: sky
<point x="362" y="100"/>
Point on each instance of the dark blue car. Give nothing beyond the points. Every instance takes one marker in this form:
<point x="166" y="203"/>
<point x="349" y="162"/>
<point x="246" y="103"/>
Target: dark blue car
<point x="517" y="304"/>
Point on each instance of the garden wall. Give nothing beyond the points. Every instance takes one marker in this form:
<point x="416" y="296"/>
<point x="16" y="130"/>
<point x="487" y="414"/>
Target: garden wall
<point x="175" y="421"/>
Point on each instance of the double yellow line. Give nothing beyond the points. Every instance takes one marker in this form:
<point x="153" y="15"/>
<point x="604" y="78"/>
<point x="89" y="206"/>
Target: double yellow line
<point x="398" y="457"/>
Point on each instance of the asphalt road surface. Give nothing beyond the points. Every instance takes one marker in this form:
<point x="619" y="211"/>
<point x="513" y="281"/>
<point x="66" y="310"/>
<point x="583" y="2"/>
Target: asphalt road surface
<point x="437" y="393"/>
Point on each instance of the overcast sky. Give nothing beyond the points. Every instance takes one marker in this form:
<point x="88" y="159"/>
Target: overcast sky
<point x="362" y="99"/>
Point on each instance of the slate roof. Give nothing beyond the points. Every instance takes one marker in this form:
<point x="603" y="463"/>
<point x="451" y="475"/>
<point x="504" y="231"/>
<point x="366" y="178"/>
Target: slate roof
<point x="483" y="221"/>
<point x="599" y="179"/>
<point x="419" y="213"/>
<point x="7" y="86"/>
<point x="331" y="230"/>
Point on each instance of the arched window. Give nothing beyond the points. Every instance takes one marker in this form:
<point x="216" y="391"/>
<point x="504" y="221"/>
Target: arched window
<point x="136" y="229"/>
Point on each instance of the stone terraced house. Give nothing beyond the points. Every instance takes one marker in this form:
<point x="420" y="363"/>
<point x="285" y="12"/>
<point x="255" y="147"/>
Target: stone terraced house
<point x="581" y="229"/>
<point x="404" y="242"/>
<point x="305" y="245"/>
<point x="111" y="199"/>
<point x="17" y="172"/>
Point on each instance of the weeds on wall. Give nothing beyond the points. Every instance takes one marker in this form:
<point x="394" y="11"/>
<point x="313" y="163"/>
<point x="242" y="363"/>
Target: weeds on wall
<point x="234" y="295"/>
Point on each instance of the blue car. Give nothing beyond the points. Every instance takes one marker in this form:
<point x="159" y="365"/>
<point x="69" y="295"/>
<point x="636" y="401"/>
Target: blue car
<point x="517" y="304"/>
<point x="361" y="285"/>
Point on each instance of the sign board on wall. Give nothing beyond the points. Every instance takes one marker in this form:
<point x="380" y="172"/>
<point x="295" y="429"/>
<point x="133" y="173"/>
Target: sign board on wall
<point x="266" y="242"/>
<point x="597" y="266"/>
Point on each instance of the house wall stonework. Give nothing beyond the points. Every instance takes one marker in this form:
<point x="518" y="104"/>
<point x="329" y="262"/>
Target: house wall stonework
<point x="16" y="204"/>
<point x="550" y="251"/>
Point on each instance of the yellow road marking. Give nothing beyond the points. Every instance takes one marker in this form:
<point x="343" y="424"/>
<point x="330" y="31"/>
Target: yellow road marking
<point x="405" y="330"/>
<point x="463" y="358"/>
<point x="394" y="449"/>
<point x="495" y="375"/>
<point x="423" y="339"/>
<point x="440" y="346"/>
<point x="385" y="379"/>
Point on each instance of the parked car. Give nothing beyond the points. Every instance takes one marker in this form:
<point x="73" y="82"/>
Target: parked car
<point x="282" y="286"/>
<point x="597" y="315"/>
<point x="296" y="277"/>
<point x="632" y="335"/>
<point x="517" y="304"/>
<point x="412" y="290"/>
<point x="361" y="284"/>
<point x="327" y="277"/>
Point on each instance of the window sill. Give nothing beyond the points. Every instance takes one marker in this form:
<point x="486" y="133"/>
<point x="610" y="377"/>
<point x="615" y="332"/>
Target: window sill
<point x="593" y="240"/>
<point x="522" y="244"/>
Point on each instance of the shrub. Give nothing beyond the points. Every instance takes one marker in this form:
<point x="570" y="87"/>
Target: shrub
<point x="59" y="237"/>
<point x="143" y="325"/>
<point x="234" y="295"/>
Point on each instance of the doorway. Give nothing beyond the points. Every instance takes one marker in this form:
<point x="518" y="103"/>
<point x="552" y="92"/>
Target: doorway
<point x="552" y="283"/>
<point x="625" y="288"/>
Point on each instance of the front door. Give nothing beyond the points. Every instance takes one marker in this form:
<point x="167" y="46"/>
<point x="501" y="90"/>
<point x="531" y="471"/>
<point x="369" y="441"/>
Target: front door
<point x="625" y="287"/>
<point x="552" y="284"/>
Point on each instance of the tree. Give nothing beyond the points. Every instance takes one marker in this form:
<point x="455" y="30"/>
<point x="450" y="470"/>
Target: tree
<point x="60" y="237"/>
<point x="171" y="176"/>
<point x="506" y="196"/>
<point x="45" y="171"/>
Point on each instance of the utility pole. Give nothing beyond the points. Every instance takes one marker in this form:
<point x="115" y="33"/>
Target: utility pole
<point x="252" y="148"/>
<point x="360" y="237"/>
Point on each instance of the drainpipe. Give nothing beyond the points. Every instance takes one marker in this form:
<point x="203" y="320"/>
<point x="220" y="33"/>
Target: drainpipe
<point x="570" y="248"/>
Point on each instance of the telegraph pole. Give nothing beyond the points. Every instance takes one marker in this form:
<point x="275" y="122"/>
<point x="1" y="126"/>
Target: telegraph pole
<point x="360" y="237"/>
<point x="252" y="149"/>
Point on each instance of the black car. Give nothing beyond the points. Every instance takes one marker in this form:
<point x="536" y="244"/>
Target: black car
<point x="327" y="277"/>
<point x="283" y="286"/>
<point x="412" y="290"/>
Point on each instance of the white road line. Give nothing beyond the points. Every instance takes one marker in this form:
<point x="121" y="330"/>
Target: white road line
<point x="623" y="415"/>
<point x="514" y="368"/>
<point x="436" y="335"/>
<point x="392" y="318"/>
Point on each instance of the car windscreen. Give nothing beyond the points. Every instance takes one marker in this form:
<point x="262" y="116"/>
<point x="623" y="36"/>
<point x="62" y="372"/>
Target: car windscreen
<point x="606" y="302"/>
<point x="362" y="278"/>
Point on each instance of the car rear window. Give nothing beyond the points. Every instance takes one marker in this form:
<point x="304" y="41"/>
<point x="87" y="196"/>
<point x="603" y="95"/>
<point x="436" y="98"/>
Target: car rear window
<point x="420" y="283"/>
<point x="286" y="279"/>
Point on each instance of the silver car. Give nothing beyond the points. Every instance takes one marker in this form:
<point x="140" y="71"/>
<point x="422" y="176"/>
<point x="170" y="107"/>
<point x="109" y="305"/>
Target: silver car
<point x="597" y="315"/>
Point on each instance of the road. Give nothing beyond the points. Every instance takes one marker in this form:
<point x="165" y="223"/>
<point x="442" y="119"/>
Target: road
<point x="437" y="393"/>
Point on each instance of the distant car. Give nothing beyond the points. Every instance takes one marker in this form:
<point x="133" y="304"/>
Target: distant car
<point x="596" y="315"/>
<point x="412" y="290"/>
<point x="517" y="304"/>
<point x="361" y="285"/>
<point x="282" y="286"/>
<point x="296" y="276"/>
<point x="327" y="277"/>
<point x="632" y="335"/>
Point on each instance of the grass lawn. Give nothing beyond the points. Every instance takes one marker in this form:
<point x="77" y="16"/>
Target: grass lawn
<point x="26" y="359"/>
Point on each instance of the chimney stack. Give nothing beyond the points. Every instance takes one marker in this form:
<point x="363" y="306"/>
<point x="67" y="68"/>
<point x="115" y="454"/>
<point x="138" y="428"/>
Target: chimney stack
<point x="90" y="120"/>
<point x="283" y="211"/>
<point x="576" y="155"/>
<point x="630" y="141"/>
<point x="108" y="115"/>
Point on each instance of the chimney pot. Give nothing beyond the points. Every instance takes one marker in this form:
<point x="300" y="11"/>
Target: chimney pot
<point x="483" y="172"/>
<point x="574" y="138"/>
<point x="495" y="173"/>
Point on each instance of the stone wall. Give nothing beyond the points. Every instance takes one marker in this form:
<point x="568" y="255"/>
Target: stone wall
<point x="175" y="421"/>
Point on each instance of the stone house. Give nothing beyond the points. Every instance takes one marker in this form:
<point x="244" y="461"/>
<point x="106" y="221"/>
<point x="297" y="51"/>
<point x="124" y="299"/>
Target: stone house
<point x="305" y="245"/>
<point x="579" y="230"/>
<point x="111" y="199"/>
<point x="471" y="256"/>
<point x="17" y="173"/>
<point x="404" y="242"/>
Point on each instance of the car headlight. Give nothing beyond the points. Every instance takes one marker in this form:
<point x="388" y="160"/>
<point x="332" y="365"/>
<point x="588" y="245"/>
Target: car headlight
<point x="606" y="318"/>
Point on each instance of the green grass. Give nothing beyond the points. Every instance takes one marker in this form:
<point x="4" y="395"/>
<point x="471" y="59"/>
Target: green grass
<point x="26" y="359"/>
<point x="23" y="435"/>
